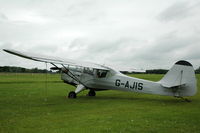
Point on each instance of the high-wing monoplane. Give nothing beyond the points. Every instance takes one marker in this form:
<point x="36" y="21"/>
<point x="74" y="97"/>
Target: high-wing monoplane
<point x="179" y="81"/>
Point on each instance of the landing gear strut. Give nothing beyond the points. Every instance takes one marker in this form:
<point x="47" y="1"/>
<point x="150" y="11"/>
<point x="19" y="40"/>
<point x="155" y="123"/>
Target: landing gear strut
<point x="91" y="93"/>
<point x="72" y="94"/>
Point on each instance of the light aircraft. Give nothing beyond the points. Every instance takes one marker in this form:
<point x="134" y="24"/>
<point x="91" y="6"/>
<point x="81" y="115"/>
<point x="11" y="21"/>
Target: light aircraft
<point x="179" y="81"/>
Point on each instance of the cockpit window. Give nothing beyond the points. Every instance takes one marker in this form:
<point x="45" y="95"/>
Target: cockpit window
<point x="88" y="70"/>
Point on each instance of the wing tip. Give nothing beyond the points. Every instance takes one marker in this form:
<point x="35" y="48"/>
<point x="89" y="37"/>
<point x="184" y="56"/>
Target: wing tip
<point x="5" y="50"/>
<point x="11" y="51"/>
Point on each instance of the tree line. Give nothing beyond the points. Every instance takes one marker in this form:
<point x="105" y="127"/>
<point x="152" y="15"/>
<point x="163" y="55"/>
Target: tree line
<point x="156" y="71"/>
<point x="153" y="71"/>
<point x="14" y="69"/>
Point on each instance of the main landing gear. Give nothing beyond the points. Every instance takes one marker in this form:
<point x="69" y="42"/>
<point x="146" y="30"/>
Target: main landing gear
<point x="91" y="93"/>
<point x="72" y="94"/>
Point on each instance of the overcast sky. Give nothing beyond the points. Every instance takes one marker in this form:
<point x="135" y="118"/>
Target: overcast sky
<point x="134" y="33"/>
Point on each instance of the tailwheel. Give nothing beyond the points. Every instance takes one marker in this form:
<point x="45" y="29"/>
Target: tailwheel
<point x="91" y="93"/>
<point x="72" y="94"/>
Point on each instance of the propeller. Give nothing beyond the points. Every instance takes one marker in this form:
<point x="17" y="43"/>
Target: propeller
<point x="64" y="70"/>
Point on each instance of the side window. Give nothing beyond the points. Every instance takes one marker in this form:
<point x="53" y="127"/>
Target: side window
<point x="101" y="73"/>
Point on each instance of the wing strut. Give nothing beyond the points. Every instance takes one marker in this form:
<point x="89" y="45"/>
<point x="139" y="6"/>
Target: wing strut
<point x="68" y="71"/>
<point x="73" y="76"/>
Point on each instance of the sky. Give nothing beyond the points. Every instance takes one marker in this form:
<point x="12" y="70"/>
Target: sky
<point x="138" y="34"/>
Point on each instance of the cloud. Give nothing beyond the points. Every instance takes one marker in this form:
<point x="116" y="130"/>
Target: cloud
<point x="170" y="47"/>
<point x="3" y="17"/>
<point x="178" y="11"/>
<point x="130" y="33"/>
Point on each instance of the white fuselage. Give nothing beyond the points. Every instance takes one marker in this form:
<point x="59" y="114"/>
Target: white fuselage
<point x="118" y="81"/>
<point x="126" y="83"/>
<point x="179" y="81"/>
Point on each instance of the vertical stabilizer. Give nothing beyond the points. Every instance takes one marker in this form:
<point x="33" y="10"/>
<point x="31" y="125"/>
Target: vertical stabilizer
<point x="181" y="79"/>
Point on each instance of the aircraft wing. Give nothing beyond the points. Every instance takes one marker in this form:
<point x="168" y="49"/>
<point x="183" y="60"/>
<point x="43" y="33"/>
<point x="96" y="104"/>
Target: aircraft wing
<point x="54" y="60"/>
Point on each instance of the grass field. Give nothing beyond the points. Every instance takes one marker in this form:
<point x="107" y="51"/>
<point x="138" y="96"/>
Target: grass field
<point x="26" y="106"/>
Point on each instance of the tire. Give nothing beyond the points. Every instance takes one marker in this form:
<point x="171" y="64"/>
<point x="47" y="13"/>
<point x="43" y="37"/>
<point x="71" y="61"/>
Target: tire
<point x="91" y="93"/>
<point x="72" y="94"/>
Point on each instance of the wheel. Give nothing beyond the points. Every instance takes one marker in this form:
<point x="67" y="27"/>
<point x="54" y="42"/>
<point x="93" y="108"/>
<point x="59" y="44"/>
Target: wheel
<point x="72" y="94"/>
<point x="91" y="93"/>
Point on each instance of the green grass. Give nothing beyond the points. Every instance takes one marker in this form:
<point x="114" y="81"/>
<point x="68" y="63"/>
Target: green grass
<point x="27" y="107"/>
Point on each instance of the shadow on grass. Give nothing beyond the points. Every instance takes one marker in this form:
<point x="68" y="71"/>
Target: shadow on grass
<point x="51" y="101"/>
<point x="138" y="99"/>
<point x="115" y="99"/>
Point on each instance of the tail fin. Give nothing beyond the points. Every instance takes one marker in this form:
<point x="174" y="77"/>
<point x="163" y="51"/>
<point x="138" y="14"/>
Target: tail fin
<point x="181" y="79"/>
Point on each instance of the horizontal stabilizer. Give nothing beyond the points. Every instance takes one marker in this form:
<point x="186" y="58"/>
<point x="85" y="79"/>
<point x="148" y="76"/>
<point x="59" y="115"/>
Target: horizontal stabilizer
<point x="166" y="85"/>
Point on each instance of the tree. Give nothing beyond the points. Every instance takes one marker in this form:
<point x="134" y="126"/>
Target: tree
<point x="197" y="71"/>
